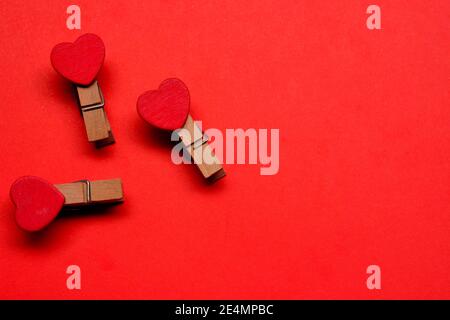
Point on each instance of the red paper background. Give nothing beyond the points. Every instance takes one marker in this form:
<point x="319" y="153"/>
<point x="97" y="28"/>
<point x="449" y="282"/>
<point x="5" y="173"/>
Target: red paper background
<point x="364" y="150"/>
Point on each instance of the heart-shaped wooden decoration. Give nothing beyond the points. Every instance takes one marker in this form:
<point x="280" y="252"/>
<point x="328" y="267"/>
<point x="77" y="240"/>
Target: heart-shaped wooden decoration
<point x="79" y="62"/>
<point x="166" y="108"/>
<point x="37" y="202"/>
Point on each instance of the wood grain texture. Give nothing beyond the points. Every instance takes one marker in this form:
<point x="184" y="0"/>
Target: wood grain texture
<point x="192" y="133"/>
<point x="167" y="107"/>
<point x="89" y="95"/>
<point x="83" y="193"/>
<point x="106" y="191"/>
<point x="206" y="162"/>
<point x="107" y="141"/>
<point x="97" y="126"/>
<point x="80" y="61"/>
<point x="196" y="143"/>
<point x="74" y="193"/>
<point x="37" y="202"/>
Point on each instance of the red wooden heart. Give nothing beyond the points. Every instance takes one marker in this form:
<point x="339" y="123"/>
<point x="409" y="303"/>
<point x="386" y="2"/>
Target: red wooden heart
<point x="166" y="108"/>
<point x="80" y="61"/>
<point x="37" y="202"/>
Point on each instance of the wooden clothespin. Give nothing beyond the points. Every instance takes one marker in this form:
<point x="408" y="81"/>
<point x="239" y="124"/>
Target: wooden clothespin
<point x="168" y="108"/>
<point x="79" y="62"/>
<point x="85" y="192"/>
<point x="38" y="202"/>
<point x="196" y="143"/>
<point x="92" y="108"/>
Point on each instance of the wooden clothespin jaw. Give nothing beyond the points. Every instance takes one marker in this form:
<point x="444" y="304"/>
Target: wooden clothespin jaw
<point x="79" y="62"/>
<point x="168" y="108"/>
<point x="38" y="202"/>
<point x="85" y="192"/>
<point x="196" y="143"/>
<point x="92" y="108"/>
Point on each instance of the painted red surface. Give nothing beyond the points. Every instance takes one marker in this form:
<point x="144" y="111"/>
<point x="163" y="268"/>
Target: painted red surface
<point x="364" y="151"/>
<point x="167" y="107"/>
<point x="80" y="61"/>
<point x="37" y="202"/>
